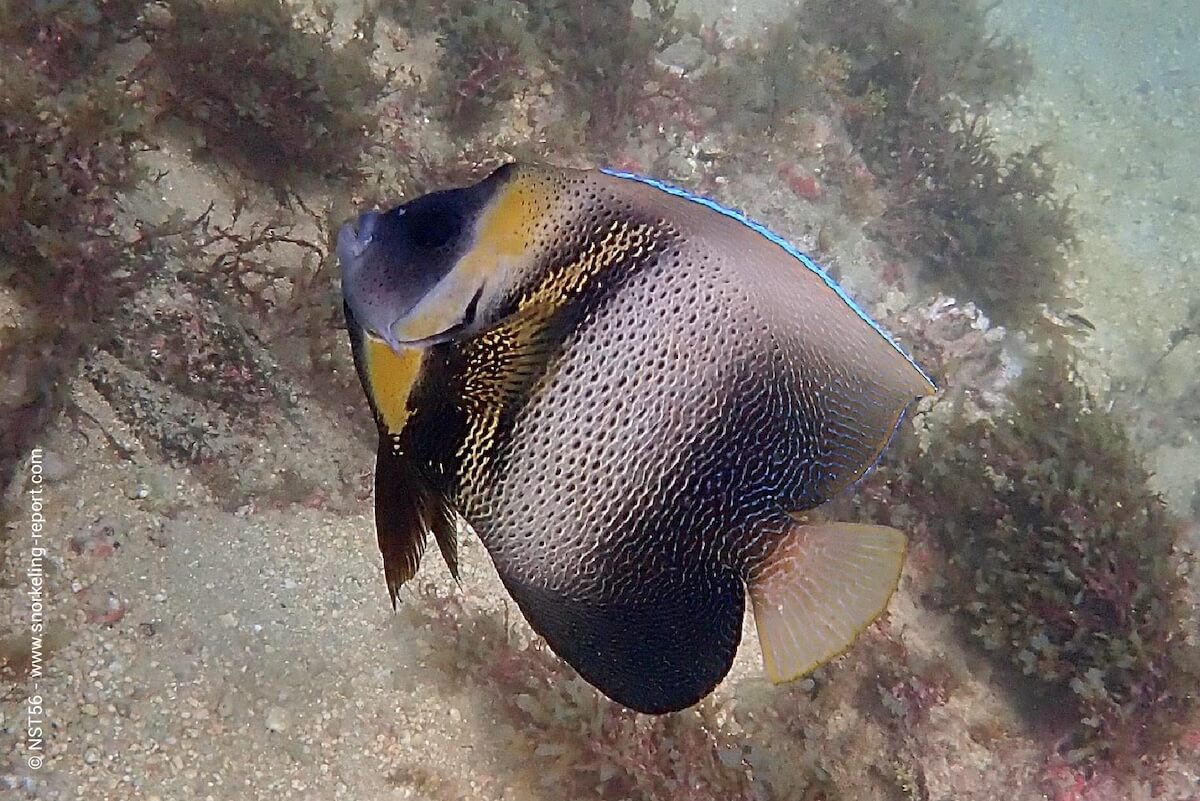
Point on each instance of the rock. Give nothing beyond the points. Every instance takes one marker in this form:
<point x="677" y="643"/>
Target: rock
<point x="55" y="468"/>
<point x="276" y="719"/>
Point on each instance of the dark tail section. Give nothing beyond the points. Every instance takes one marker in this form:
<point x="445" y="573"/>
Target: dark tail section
<point x="653" y="656"/>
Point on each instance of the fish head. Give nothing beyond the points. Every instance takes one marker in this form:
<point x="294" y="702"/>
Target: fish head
<point x="431" y="270"/>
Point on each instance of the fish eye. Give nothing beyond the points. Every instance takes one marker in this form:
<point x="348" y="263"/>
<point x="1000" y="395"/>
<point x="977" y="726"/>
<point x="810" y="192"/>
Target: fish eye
<point x="433" y="226"/>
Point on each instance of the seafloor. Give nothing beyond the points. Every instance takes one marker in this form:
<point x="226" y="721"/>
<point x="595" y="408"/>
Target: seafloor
<point x="218" y="621"/>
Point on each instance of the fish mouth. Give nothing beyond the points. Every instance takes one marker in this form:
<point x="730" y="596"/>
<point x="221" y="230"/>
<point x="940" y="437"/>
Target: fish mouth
<point x="354" y="238"/>
<point x="354" y="241"/>
<point x="397" y="345"/>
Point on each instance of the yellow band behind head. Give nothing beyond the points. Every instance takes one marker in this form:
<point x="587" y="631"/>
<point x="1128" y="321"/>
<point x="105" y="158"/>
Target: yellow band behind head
<point x="502" y="238"/>
<point x="391" y="376"/>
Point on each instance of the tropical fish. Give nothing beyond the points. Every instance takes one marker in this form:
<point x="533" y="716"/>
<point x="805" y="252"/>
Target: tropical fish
<point x="632" y="395"/>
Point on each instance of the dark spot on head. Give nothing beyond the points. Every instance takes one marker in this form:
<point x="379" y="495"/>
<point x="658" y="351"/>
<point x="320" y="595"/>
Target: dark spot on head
<point x="434" y="222"/>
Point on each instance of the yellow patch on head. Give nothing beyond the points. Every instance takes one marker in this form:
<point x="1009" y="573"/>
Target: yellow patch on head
<point x="502" y="240"/>
<point x="506" y="227"/>
<point x="391" y="377"/>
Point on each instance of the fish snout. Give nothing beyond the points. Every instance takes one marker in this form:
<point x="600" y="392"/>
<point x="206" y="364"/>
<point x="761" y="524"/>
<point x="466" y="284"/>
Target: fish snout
<point x="363" y="287"/>
<point x="353" y="239"/>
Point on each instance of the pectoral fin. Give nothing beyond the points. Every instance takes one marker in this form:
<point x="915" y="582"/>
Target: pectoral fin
<point x="503" y="365"/>
<point x="503" y="362"/>
<point x="819" y="589"/>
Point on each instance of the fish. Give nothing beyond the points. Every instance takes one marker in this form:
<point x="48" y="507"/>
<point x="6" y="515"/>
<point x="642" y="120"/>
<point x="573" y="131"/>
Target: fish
<point x="636" y="398"/>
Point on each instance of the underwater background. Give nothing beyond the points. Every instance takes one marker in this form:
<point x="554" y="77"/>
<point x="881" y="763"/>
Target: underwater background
<point x="1008" y="187"/>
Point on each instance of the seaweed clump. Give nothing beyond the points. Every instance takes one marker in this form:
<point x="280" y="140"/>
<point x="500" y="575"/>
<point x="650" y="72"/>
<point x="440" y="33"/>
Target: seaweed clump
<point x="70" y="127"/>
<point x="602" y="54"/>
<point x="598" y="57"/>
<point x="568" y="737"/>
<point x="83" y="84"/>
<point x="68" y="141"/>
<point x="1065" y="563"/>
<point x="64" y="40"/>
<point x="485" y="53"/>
<point x="762" y="86"/>
<point x="919" y="79"/>
<point x="298" y="107"/>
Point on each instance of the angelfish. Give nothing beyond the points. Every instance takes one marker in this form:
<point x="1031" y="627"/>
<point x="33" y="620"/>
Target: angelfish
<point x="632" y="395"/>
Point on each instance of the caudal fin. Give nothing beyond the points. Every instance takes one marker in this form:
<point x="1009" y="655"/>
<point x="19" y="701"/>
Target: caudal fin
<point x="819" y="590"/>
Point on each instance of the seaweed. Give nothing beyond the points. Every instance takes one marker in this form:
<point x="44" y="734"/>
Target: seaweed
<point x="758" y="87"/>
<point x="942" y="40"/>
<point x="298" y="106"/>
<point x="65" y="40"/>
<point x="602" y="55"/>
<point x="597" y="57"/>
<point x="70" y="129"/>
<point x="1063" y="561"/>
<point x="279" y="272"/>
<point x="989" y="229"/>
<point x="920" y="78"/>
<point x="484" y="59"/>
<point x="83" y="86"/>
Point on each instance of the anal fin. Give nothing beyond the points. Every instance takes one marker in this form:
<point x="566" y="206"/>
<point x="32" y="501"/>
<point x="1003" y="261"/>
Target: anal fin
<point x="819" y="589"/>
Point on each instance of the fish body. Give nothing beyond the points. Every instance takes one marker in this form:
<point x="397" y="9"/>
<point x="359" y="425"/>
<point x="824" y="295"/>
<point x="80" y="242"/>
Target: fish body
<point x="632" y="395"/>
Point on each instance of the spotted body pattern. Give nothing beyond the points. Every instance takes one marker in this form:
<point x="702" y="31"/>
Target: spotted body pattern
<point x="630" y="394"/>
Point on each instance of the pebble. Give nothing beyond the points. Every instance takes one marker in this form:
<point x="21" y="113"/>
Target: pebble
<point x="276" y="719"/>
<point x="226" y="705"/>
<point x="55" y="467"/>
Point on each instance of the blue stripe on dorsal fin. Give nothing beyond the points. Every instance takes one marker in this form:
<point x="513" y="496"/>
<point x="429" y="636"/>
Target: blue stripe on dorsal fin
<point x="762" y="229"/>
